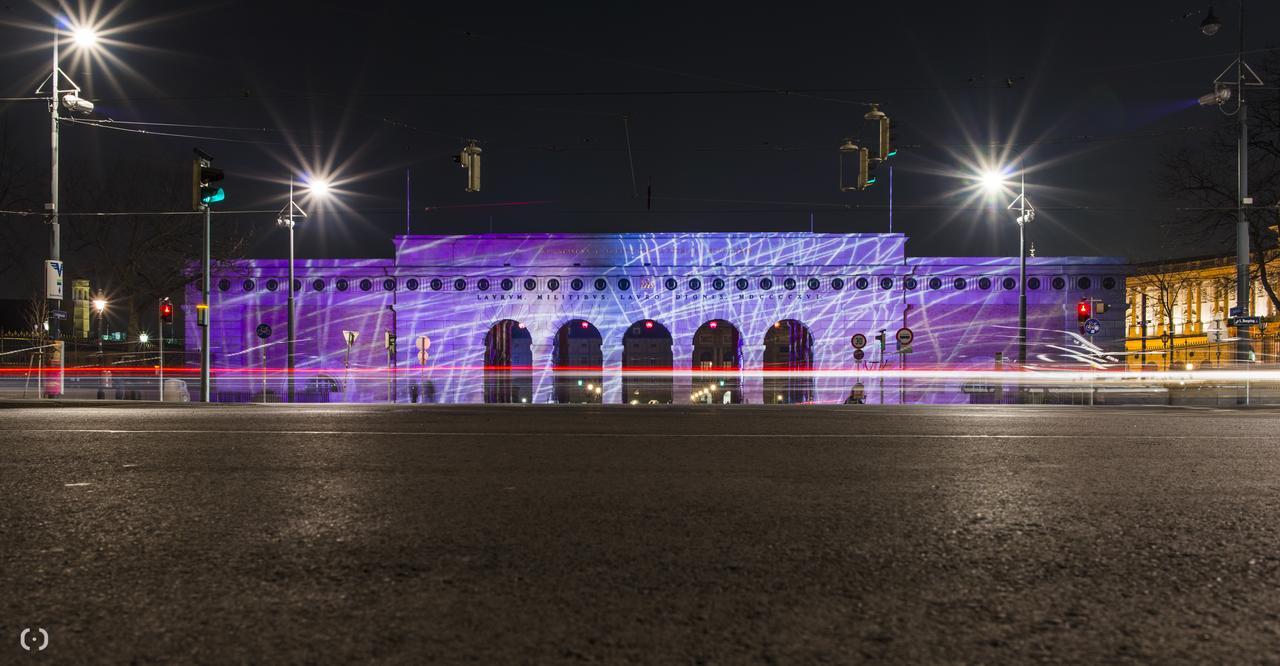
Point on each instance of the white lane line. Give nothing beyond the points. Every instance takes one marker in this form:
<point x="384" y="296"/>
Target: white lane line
<point x="633" y="435"/>
<point x="74" y="485"/>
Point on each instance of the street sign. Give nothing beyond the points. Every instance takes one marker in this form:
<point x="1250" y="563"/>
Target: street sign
<point x="264" y="331"/>
<point x="1236" y="311"/>
<point x="57" y="314"/>
<point x="423" y="343"/>
<point x="858" y="354"/>
<point x="1092" y="326"/>
<point x="904" y="336"/>
<point x="858" y="341"/>
<point x="350" y="336"/>
<point x="422" y="357"/>
<point x="904" y="349"/>
<point x="1245" y="321"/>
<point x="53" y="280"/>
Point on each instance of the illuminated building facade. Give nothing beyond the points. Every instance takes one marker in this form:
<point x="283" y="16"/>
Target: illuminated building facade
<point x="607" y="318"/>
<point x="1180" y="311"/>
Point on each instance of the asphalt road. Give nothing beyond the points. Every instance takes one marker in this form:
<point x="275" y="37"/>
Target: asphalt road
<point x="650" y="535"/>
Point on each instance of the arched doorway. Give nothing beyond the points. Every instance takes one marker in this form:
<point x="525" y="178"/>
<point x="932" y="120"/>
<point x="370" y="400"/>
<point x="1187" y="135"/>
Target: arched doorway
<point x="579" y="362"/>
<point x="646" y="347"/>
<point x="788" y="350"/>
<point x="508" y="363"/>
<point x="717" y="346"/>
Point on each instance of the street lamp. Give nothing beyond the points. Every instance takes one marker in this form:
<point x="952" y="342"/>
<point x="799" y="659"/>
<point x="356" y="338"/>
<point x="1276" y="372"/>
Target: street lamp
<point x="320" y="188"/>
<point x="84" y="37"/>
<point x="994" y="183"/>
<point x="100" y="307"/>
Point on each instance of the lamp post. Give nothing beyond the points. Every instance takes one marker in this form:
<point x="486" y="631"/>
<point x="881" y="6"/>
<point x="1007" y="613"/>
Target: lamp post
<point x="286" y="219"/>
<point x="995" y="183"/>
<point x="83" y="37"/>
<point x="99" y="307"/>
<point x="1244" y="76"/>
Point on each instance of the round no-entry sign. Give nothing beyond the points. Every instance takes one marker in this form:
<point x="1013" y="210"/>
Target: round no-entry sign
<point x="264" y="331"/>
<point x="858" y="341"/>
<point x="858" y="354"/>
<point x="904" y="336"/>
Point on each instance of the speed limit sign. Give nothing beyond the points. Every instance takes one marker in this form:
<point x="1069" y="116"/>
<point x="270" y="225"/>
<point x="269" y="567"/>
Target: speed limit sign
<point x="858" y="341"/>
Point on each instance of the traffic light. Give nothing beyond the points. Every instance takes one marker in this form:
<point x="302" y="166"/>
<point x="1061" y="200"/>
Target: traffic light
<point x="881" y="339"/>
<point x="1084" y="310"/>
<point x="166" y="311"/>
<point x="469" y="159"/>
<point x="885" y="133"/>
<point x="203" y="175"/>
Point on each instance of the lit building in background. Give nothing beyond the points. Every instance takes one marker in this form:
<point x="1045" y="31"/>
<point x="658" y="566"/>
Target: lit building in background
<point x="1179" y="312"/>
<point x="607" y="318"/>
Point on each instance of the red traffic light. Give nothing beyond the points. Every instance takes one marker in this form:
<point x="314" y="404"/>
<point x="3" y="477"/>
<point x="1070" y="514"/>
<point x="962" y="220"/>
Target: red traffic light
<point x="1084" y="310"/>
<point x="166" y="311"/>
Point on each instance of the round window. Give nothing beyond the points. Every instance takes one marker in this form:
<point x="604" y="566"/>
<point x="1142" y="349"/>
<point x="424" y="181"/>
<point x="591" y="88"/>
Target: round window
<point x="389" y="284"/>
<point x="837" y="283"/>
<point x="1059" y="283"/>
<point x="624" y="284"/>
<point x="553" y="284"/>
<point x="959" y="284"/>
<point x="482" y="284"/>
<point x="1009" y="283"/>
<point x="695" y="284"/>
<point x="741" y="284"/>
<point x="935" y="283"/>
<point x="984" y="283"/>
<point x="886" y="283"/>
<point x="412" y="284"/>
<point x="862" y="283"/>
<point x="437" y="284"/>
<point x="600" y="284"/>
<point x="766" y="284"/>
<point x="670" y="284"/>
<point x="1084" y="283"/>
<point x="576" y="284"/>
<point x="366" y="284"/>
<point x="717" y="284"/>
<point x="789" y="284"/>
<point x="248" y="285"/>
<point x="459" y="285"/>
<point x="297" y="284"/>
<point x="343" y="284"/>
<point x="1108" y="283"/>
<point x="530" y="284"/>
<point x="224" y="284"/>
<point x="273" y="284"/>
<point x="317" y="285"/>
<point x="1032" y="283"/>
<point x="909" y="283"/>
<point x="507" y="284"/>
<point x="814" y="283"/>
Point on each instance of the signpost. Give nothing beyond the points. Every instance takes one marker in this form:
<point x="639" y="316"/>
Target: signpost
<point x="858" y="341"/>
<point x="1092" y="326"/>
<point x="904" y="336"/>
<point x="1245" y="321"/>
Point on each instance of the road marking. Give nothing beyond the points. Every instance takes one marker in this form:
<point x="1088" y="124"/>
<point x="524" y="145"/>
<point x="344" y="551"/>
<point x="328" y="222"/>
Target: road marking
<point x="632" y="435"/>
<point x="75" y="485"/>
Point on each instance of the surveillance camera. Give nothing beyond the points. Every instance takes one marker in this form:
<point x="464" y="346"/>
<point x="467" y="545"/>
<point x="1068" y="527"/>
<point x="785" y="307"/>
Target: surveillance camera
<point x="77" y="103"/>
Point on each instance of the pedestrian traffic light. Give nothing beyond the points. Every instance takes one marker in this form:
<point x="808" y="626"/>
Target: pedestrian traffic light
<point x="203" y="175"/>
<point x="1084" y="310"/>
<point x="469" y="159"/>
<point x="166" y="311"/>
<point x="885" y="133"/>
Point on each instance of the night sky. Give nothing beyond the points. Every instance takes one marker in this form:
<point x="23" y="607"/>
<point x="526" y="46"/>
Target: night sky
<point x="367" y="90"/>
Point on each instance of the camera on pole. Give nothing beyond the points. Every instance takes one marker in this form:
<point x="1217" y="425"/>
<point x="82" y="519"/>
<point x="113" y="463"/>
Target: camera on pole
<point x="469" y="159"/>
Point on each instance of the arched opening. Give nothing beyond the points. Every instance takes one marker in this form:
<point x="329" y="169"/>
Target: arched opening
<point x="788" y="351"/>
<point x="646" y="348"/>
<point x="579" y="362"/>
<point x="508" y="363"/>
<point x="717" y="356"/>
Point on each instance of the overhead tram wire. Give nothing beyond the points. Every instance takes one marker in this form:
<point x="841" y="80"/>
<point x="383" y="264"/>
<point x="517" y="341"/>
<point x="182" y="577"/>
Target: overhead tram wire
<point x="113" y="126"/>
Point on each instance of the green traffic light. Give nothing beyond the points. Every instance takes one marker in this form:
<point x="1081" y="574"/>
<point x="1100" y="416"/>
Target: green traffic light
<point x="893" y="152"/>
<point x="209" y="195"/>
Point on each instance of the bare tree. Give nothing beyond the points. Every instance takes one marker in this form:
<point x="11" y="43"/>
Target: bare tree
<point x="1201" y="177"/>
<point x="148" y="246"/>
<point x="1166" y="289"/>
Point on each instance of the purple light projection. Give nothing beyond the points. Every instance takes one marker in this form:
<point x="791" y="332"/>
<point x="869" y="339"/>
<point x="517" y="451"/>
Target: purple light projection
<point x="454" y="289"/>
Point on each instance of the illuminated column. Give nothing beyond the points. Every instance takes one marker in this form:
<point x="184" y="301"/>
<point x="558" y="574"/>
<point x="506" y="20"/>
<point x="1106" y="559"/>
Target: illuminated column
<point x="681" y="382"/>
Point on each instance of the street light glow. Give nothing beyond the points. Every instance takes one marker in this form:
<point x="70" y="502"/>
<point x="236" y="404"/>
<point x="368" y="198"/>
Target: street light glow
<point x="992" y="181"/>
<point x="143" y="338"/>
<point x="319" y="187"/>
<point x="85" y="37"/>
<point x="99" y="305"/>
